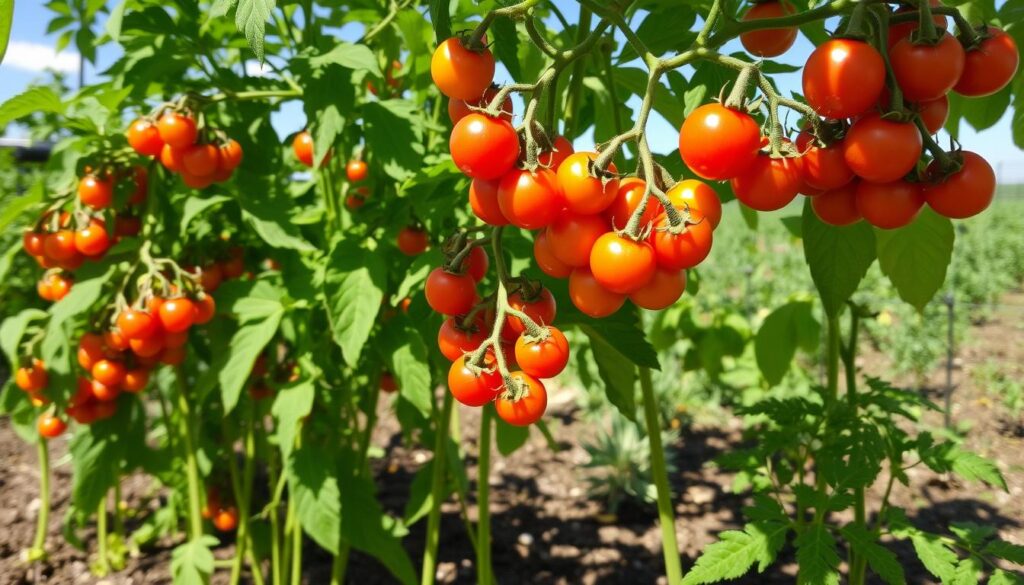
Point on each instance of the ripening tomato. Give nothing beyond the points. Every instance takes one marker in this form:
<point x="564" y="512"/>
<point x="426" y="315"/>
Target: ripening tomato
<point x="177" y="130"/>
<point x="141" y="178"/>
<point x="33" y="377"/>
<point x="175" y="340"/>
<point x="144" y="137"/>
<point x="889" y="205"/>
<point x="663" y="290"/>
<point x="412" y="241"/>
<point x="964" y="193"/>
<point x="114" y="341"/>
<point x="990" y="66"/>
<point x="529" y="406"/>
<point x="561" y="149"/>
<point x="843" y="78"/>
<point x="135" y="380"/>
<point x="302" y="146"/>
<point x="769" y="42"/>
<point x="682" y="250"/>
<point x="881" y="150"/>
<point x="108" y="372"/>
<point x="177" y="315"/>
<point x="90" y="350"/>
<point x="459" y="109"/>
<point x="147" y="347"/>
<point x="546" y="259"/>
<point x="902" y="30"/>
<point x="838" y="206"/>
<point x="60" y="245"/>
<point x="104" y="410"/>
<point x="226" y="519"/>
<point x="171" y="158"/>
<point x="540" y="308"/>
<point x="201" y="160"/>
<point x="530" y="200"/>
<point x="621" y="264"/>
<point x="583" y="192"/>
<point x="627" y="199"/>
<point x="230" y="155"/>
<point x="92" y="240"/>
<point x="769" y="183"/>
<point x="483" y="199"/>
<point x="590" y="297"/>
<point x="483" y="147"/>
<point x="137" y="324"/>
<point x="696" y="196"/>
<point x="933" y="113"/>
<point x="56" y="286"/>
<point x="388" y="383"/>
<point x="450" y="294"/>
<point x="105" y="392"/>
<point x="50" y="426"/>
<point x="473" y="388"/>
<point x="96" y="192"/>
<point x="543" y="358"/>
<point x="454" y="340"/>
<point x="356" y="170"/>
<point x="153" y="304"/>
<point x="824" y="168"/>
<point x="571" y="237"/>
<point x="461" y="73"/>
<point x="927" y="72"/>
<point x="33" y="242"/>
<point x="718" y="143"/>
<point x="476" y="263"/>
<point x="126" y="226"/>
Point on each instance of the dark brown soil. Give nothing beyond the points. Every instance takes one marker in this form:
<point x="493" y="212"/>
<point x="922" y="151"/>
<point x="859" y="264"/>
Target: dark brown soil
<point x="545" y="529"/>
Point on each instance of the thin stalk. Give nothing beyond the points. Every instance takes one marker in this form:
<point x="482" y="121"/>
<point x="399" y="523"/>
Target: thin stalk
<point x="296" y="576"/>
<point x="118" y="515"/>
<point x="102" y="562"/>
<point x="574" y="94"/>
<point x="38" y="550"/>
<point x="832" y="349"/>
<point x="483" y="523"/>
<point x="195" y="515"/>
<point x="666" y="516"/>
<point x="439" y="472"/>
<point x="856" y="562"/>
<point x="243" y="496"/>
<point x="339" y="566"/>
<point x="275" y="529"/>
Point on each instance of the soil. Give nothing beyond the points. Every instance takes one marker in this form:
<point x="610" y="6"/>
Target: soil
<point x="545" y="529"/>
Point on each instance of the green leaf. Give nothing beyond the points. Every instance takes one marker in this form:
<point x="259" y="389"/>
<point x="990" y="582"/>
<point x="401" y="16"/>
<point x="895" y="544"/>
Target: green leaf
<point x="394" y="132"/>
<point x="349" y="56"/>
<point x="736" y="552"/>
<point x="221" y="8"/>
<point x="882" y="560"/>
<point x="972" y="466"/>
<point x="617" y="373"/>
<point x="251" y="18"/>
<point x="407" y="358"/>
<point x="192" y="561"/>
<point x="915" y="257"/>
<point x="750" y="217"/>
<point x="1001" y="577"/>
<point x="246" y="345"/>
<point x="6" y="18"/>
<point x="816" y="556"/>
<point x="935" y="555"/>
<point x="313" y="483"/>
<point x="113" y="25"/>
<point x="97" y="454"/>
<point x="13" y="329"/>
<point x="506" y="45"/>
<point x="366" y="526"/>
<point x="1006" y="551"/>
<point x="265" y="216"/>
<point x="291" y="405"/>
<point x="195" y="205"/>
<point x="441" y="16"/>
<point x="634" y="81"/>
<point x="620" y="332"/>
<point x="354" y="285"/>
<point x="838" y="257"/>
<point x="420" y="500"/>
<point x="787" y="327"/>
<point x="30" y="101"/>
<point x="968" y="571"/>
<point x="510" y="438"/>
<point x="417" y="274"/>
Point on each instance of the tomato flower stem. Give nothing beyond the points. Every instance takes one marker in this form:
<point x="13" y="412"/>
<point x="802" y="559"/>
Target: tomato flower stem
<point x="476" y="37"/>
<point x="709" y="23"/>
<point x="946" y="162"/>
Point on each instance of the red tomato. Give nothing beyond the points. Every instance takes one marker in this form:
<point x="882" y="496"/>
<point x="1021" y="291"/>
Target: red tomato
<point x="32" y="378"/>
<point x="147" y="347"/>
<point x="60" y="245"/>
<point x="769" y="42"/>
<point x="201" y="160"/>
<point x="137" y="324"/>
<point x="584" y="193"/>
<point x="461" y="73"/>
<point x="477" y="263"/>
<point x="484" y="148"/>
<point x="483" y="199"/>
<point x="175" y="340"/>
<point x="459" y="109"/>
<point x="177" y="130"/>
<point x="546" y="259"/>
<point x="177" y="315"/>
<point x="718" y="143"/>
<point x="302" y="146"/>
<point x="230" y="155"/>
<point x="990" y="66"/>
<point x="881" y="150"/>
<point x="933" y="113"/>
<point x="696" y="196"/>
<point x="590" y="297"/>
<point x="965" y="193"/>
<point x="843" y="78"/>
<point x="171" y="158"/>
<point x="114" y="341"/>
<point x="927" y="72"/>
<point x="144" y="137"/>
<point x="838" y="206"/>
<point x="33" y="241"/>
<point x="540" y="309"/>
<point x="561" y="148"/>
<point x="412" y="241"/>
<point x="530" y="405"/>
<point x="627" y="199"/>
<point x="662" y="291"/>
<point x="105" y="392"/>
<point x="824" y="168"/>
<point x="543" y="358"/>
<point x="620" y="264"/>
<point x="889" y="205"/>
<point x="450" y="294"/>
<point x="141" y="178"/>
<point x="456" y="341"/>
<point x="135" y="380"/>
<point x="902" y="30"/>
<point x="96" y="192"/>
<point x="470" y="387"/>
<point x="90" y="350"/>
<point x="683" y="250"/>
<point x="356" y="170"/>
<point x="769" y="183"/>
<point x="50" y="426"/>
<point x="530" y="200"/>
<point x="108" y="372"/>
<point x="172" y="356"/>
<point x="571" y="237"/>
<point x="226" y="519"/>
<point x="92" y="240"/>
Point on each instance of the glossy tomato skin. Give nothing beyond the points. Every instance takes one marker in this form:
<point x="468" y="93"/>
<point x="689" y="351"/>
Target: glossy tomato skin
<point x="933" y="113"/>
<point x="543" y="358"/>
<point x="769" y="183"/>
<point x="201" y="160"/>
<point x="461" y="73"/>
<point x="50" y="426"/>
<point x="824" y="168"/>
<point x="109" y="372"/>
<point x="696" y="196"/>
<point x="459" y="109"/>
<point x="177" y="130"/>
<point x="902" y="30"/>
<point x="530" y="200"/>
<point x="483" y="147"/>
<point x="627" y="199"/>
<point x="717" y="142"/>
<point x="927" y="72"/>
<point x="965" y="193"/>
<point x="585" y="194"/>
<point x="412" y="241"/>
<point x="356" y="170"/>
<point x="620" y="264"/>
<point x="483" y="199"/>
<point x="571" y="237"/>
<point x="663" y="290"/>
<point x="450" y="294"/>
<point x="561" y="149"/>
<point x="92" y="240"/>
<point x="230" y="155"/>
<point x="838" y="206"/>
<point x="90" y="350"/>
<point x="60" y="246"/>
<point x="541" y="309"/>
<point x="32" y="378"/>
<point x="683" y="250"/>
<point x="590" y="297"/>
<point x="137" y="324"/>
<point x="880" y="150"/>
<point x="177" y="315"/>
<point x="476" y="263"/>
<point x="530" y="406"/>
<point x="990" y="66"/>
<point x="144" y="138"/>
<point x="302" y="146"/>
<point x="471" y="389"/>
<point x="546" y="259"/>
<point x="770" y="42"/>
<point x="843" y="78"/>
<point x="96" y="192"/>
<point x="889" y="205"/>
<point x="455" y="341"/>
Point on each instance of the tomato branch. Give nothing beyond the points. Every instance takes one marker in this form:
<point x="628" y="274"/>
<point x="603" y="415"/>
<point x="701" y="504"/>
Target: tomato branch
<point x="476" y="37"/>
<point x="733" y="28"/>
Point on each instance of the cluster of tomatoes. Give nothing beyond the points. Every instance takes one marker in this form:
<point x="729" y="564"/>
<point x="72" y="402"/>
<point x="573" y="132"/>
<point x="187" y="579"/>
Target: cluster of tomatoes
<point x="865" y="160"/>
<point x="223" y="515"/>
<point x="32" y="377"/>
<point x="175" y="139"/>
<point x="356" y="170"/>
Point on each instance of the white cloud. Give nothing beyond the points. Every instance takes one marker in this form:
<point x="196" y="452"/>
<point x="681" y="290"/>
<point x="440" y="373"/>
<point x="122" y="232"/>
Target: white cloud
<point x="39" y="57"/>
<point x="255" y="69"/>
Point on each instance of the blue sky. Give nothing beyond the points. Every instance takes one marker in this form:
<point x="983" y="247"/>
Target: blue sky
<point x="31" y="51"/>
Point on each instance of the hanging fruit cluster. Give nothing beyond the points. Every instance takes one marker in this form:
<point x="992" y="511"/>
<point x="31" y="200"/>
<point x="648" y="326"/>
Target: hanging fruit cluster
<point x="201" y="156"/>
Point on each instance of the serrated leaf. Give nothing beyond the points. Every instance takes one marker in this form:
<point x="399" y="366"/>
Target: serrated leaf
<point x="349" y="56"/>
<point x="882" y="560"/>
<point x="736" y="552"/>
<point x="1006" y="551"/>
<point x="354" y="284"/>
<point x="838" y="257"/>
<point x="968" y="572"/>
<point x="192" y="562"/>
<point x="30" y="101"/>
<point x="245" y="346"/>
<point x="915" y="257"/>
<point x="972" y="466"/>
<point x="935" y="555"/>
<point x="816" y="557"/>
<point x="1001" y="577"/>
<point x="251" y="18"/>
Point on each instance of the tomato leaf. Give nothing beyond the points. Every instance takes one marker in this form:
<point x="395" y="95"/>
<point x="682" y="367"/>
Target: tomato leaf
<point x="617" y="374"/>
<point x="817" y="557"/>
<point x="97" y="453"/>
<point x="441" y="16"/>
<point x="354" y="284"/>
<point x="420" y="500"/>
<point x="406" y="356"/>
<point x="394" y="132"/>
<point x="506" y="45"/>
<point x="251" y="18"/>
<point x="510" y="438"/>
<point x="245" y="346"/>
<point x="787" y="327"/>
<point x="313" y="483"/>
<point x="196" y="205"/>
<point x="882" y="560"/>
<point x="736" y="552"/>
<point x="30" y="101"/>
<point x="349" y="56"/>
<point x="192" y="562"/>
<point x="13" y="329"/>
<point x="935" y="555"/>
<point x="915" y="257"/>
<point x="838" y="257"/>
<point x="268" y="217"/>
<point x="292" y="403"/>
<point x="6" y="18"/>
<point x="417" y="274"/>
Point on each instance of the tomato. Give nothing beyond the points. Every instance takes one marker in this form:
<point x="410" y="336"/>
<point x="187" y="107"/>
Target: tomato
<point x="459" y="109"/>
<point x="96" y="192"/>
<point x="141" y="177"/>
<point x="50" y="426"/>
<point x="456" y="341"/>
<point x="205" y="309"/>
<point x="127" y="226"/>
<point x="902" y="30"/>
<point x="927" y="72"/>
<point x="92" y="240"/>
<point x="824" y="168"/>
<point x="356" y="170"/>
<point x="769" y="183"/>
<point x="135" y="380"/>
<point x="838" y="206"/>
<point x="561" y="149"/>
<point x="388" y="383"/>
<point x="990" y="66"/>
<point x="226" y="519"/>
<point x="881" y="150"/>
<point x="104" y="410"/>
<point x="302" y="146"/>
<point x="546" y="259"/>
<point x="541" y="309"/>
<point x="627" y="199"/>
<point x="210" y="276"/>
<point x="144" y="137"/>
<point x="115" y="341"/>
<point x="621" y="264"/>
<point x="662" y="291"/>
<point x="90" y="350"/>
<point x="717" y="142"/>
<point x="450" y="294"/>
<point x="233" y="267"/>
<point x="201" y="160"/>
<point x="137" y="324"/>
<point x="889" y="205"/>
<point x="105" y="392"/>
<point x="843" y="78"/>
<point x="177" y="130"/>
<point x="175" y="340"/>
<point x="769" y="42"/>
<point x="73" y="263"/>
<point x="543" y="358"/>
<point x="172" y="356"/>
<point x="530" y="405"/>
<point x="32" y="378"/>
<point x="933" y="113"/>
<point x="33" y="241"/>
<point x="476" y="263"/>
<point x="461" y="73"/>
<point x="530" y="200"/>
<point x="590" y="297"/>
<point x="683" y="250"/>
<point x="412" y="241"/>
<point x="965" y="193"/>
<point x="584" y="193"/>
<point x="171" y="158"/>
<point x="60" y="245"/>
<point x="230" y="155"/>
<point x="147" y="347"/>
<point x="472" y="388"/>
<point x="109" y="372"/>
<point x="483" y="147"/>
<point x="54" y="286"/>
<point x="177" y="315"/>
<point x="153" y="304"/>
<point x="571" y="237"/>
<point x="483" y="199"/>
<point x="694" y="195"/>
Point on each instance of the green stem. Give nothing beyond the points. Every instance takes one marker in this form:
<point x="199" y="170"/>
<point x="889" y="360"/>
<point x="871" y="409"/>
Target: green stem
<point x="574" y="95"/>
<point x="666" y="516"/>
<point x="195" y="515"/>
<point x="857" y="563"/>
<point x="831" y="392"/>
<point x="709" y="23"/>
<point x="732" y="29"/>
<point x="38" y="550"/>
<point x="243" y="495"/>
<point x="339" y="566"/>
<point x="296" y="576"/>
<point x="483" y="524"/>
<point x="275" y="524"/>
<point x="102" y="562"/>
<point x="437" y="492"/>
<point x="118" y="515"/>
